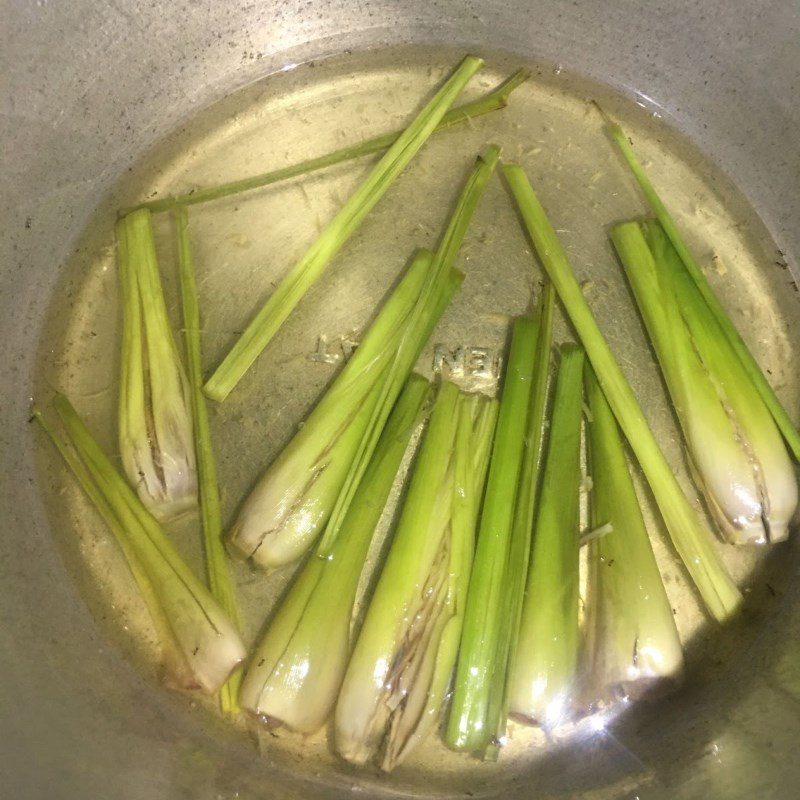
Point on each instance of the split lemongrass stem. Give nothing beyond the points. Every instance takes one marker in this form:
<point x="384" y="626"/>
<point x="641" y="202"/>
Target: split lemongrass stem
<point x="200" y="645"/>
<point x="542" y="677"/>
<point x="412" y="723"/>
<point x="738" y="455"/>
<point x="155" y="419"/>
<point x="477" y="669"/>
<point x="406" y="609"/>
<point x="402" y="664"/>
<point x="417" y="328"/>
<point x="720" y="463"/>
<point x="291" y="289"/>
<point x="757" y="431"/>
<point x="442" y="265"/>
<point x="524" y="515"/>
<point x="492" y="101"/>
<point x="632" y="643"/>
<point x="291" y="504"/>
<point x="691" y="538"/>
<point x="219" y="577"/>
<point x="749" y="363"/>
<point x="296" y="670"/>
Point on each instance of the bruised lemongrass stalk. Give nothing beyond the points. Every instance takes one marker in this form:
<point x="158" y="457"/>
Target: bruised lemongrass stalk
<point x="491" y="101"/>
<point x="769" y="459"/>
<point x="542" y="677"/>
<point x="736" y="450"/>
<point x="219" y="578"/>
<point x="311" y="483"/>
<point x="632" y="644"/>
<point x="295" y="672"/>
<point x="200" y="645"/>
<point x="524" y="515"/>
<point x="468" y="725"/>
<point x="690" y="537"/>
<point x="291" y="503"/>
<point x="748" y="363"/>
<point x="420" y="713"/>
<point x="155" y="417"/>
<point x="296" y="283"/>
<point x="443" y="262"/>
<point x="398" y="674"/>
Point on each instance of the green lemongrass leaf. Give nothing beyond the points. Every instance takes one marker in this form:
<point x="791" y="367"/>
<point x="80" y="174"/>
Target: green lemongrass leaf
<point x="219" y="577"/>
<point x="748" y="361"/>
<point x="400" y="617"/>
<point x="689" y="535"/>
<point x="292" y="502"/>
<point x="420" y="711"/>
<point x="632" y="646"/>
<point x="442" y="265"/>
<point x="200" y="645"/>
<point x="295" y="672"/>
<point x="736" y="450"/>
<point x="477" y="670"/>
<point x="491" y="101"/>
<point x="155" y="420"/>
<point x="292" y="288"/>
<point x="524" y="515"/>
<point x="542" y="677"/>
<point x="775" y="500"/>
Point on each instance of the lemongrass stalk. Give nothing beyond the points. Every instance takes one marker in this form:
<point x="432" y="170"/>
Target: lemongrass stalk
<point x="491" y="101"/>
<point x="155" y="420"/>
<point x="292" y="502"/>
<point x="401" y="616"/>
<point x="632" y="643"/>
<point x="738" y="455"/>
<point x="689" y="535"/>
<point x="524" y="515"/>
<point x="542" y="677"/>
<point x="293" y="498"/>
<point x="306" y="489"/>
<point x="201" y="647"/>
<point x="443" y="262"/>
<point x="748" y="362"/>
<point x="173" y="662"/>
<point x="296" y="670"/>
<point x="720" y="462"/>
<point x="296" y="283"/>
<point x="397" y="674"/>
<point x="478" y="667"/>
<point x="420" y="711"/>
<point x="218" y="574"/>
<point x="755" y="425"/>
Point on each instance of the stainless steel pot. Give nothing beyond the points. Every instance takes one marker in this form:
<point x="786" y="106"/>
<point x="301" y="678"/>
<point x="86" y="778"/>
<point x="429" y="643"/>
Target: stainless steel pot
<point x="88" y="88"/>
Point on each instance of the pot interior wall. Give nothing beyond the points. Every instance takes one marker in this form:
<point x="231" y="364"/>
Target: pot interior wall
<point x="79" y="703"/>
